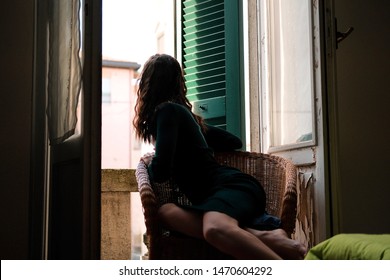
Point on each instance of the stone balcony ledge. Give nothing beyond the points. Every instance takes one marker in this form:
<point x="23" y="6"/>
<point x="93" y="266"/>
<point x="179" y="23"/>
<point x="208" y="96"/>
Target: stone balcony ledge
<point x="116" y="219"/>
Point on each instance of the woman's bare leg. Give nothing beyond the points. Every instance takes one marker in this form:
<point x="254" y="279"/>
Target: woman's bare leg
<point x="223" y="232"/>
<point x="181" y="220"/>
<point x="278" y="241"/>
<point x="177" y="218"/>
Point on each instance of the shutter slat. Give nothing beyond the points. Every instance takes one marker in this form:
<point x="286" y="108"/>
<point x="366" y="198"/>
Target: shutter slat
<point x="205" y="39"/>
<point x="205" y="73"/>
<point x="189" y="3"/>
<point x="190" y="29"/>
<point x="208" y="53"/>
<point x="197" y="32"/>
<point x="202" y="10"/>
<point x="209" y="81"/>
<point x="207" y="60"/>
<point x="201" y="45"/>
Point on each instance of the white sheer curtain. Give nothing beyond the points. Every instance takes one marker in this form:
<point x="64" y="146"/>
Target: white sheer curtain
<point x="292" y="71"/>
<point x="64" y="68"/>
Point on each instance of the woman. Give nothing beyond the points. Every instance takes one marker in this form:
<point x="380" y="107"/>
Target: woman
<point x="224" y="200"/>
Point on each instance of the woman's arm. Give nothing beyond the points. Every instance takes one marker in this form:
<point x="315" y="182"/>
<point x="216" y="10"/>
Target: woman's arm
<point x="221" y="140"/>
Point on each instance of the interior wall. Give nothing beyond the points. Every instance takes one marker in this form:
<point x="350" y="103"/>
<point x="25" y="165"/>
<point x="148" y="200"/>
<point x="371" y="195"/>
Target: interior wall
<point x="16" y="74"/>
<point x="363" y="96"/>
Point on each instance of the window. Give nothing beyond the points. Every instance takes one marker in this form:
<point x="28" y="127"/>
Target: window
<point x="106" y="90"/>
<point x="287" y="78"/>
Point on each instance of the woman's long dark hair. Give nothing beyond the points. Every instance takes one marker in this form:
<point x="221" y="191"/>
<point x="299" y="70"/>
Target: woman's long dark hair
<point x="161" y="81"/>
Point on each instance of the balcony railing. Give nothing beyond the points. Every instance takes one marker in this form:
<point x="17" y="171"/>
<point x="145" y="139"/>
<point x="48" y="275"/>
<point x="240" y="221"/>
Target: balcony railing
<point x="121" y="216"/>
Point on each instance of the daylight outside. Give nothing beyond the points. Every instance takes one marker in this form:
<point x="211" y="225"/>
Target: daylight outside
<point x="132" y="32"/>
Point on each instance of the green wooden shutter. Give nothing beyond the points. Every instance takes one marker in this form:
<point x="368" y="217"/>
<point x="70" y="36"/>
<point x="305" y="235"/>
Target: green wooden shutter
<point x="211" y="61"/>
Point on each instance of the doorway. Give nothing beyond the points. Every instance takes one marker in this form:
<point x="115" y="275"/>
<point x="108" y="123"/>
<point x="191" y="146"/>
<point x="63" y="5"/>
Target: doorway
<point x="132" y="32"/>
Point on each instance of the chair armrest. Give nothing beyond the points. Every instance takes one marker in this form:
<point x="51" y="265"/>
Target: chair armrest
<point x="290" y="200"/>
<point x="148" y="198"/>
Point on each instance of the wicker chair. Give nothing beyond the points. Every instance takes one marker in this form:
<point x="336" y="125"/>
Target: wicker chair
<point x="278" y="177"/>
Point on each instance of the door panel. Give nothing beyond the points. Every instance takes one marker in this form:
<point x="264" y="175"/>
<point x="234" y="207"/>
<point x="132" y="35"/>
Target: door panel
<point x="66" y="219"/>
<point x="74" y="206"/>
<point x="360" y="97"/>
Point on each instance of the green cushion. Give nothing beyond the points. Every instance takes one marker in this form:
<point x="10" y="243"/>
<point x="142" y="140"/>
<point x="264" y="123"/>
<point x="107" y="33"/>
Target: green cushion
<point x="352" y="247"/>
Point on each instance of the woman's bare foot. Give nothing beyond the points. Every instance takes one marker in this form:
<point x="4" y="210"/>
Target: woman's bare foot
<point x="278" y="241"/>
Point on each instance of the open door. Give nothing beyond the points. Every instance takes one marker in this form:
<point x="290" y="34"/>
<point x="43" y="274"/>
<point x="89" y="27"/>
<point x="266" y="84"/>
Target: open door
<point x="74" y="192"/>
<point x="291" y="104"/>
<point x="358" y="90"/>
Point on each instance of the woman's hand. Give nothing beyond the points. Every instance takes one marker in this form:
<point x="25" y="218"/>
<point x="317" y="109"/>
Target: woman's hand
<point x="147" y="158"/>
